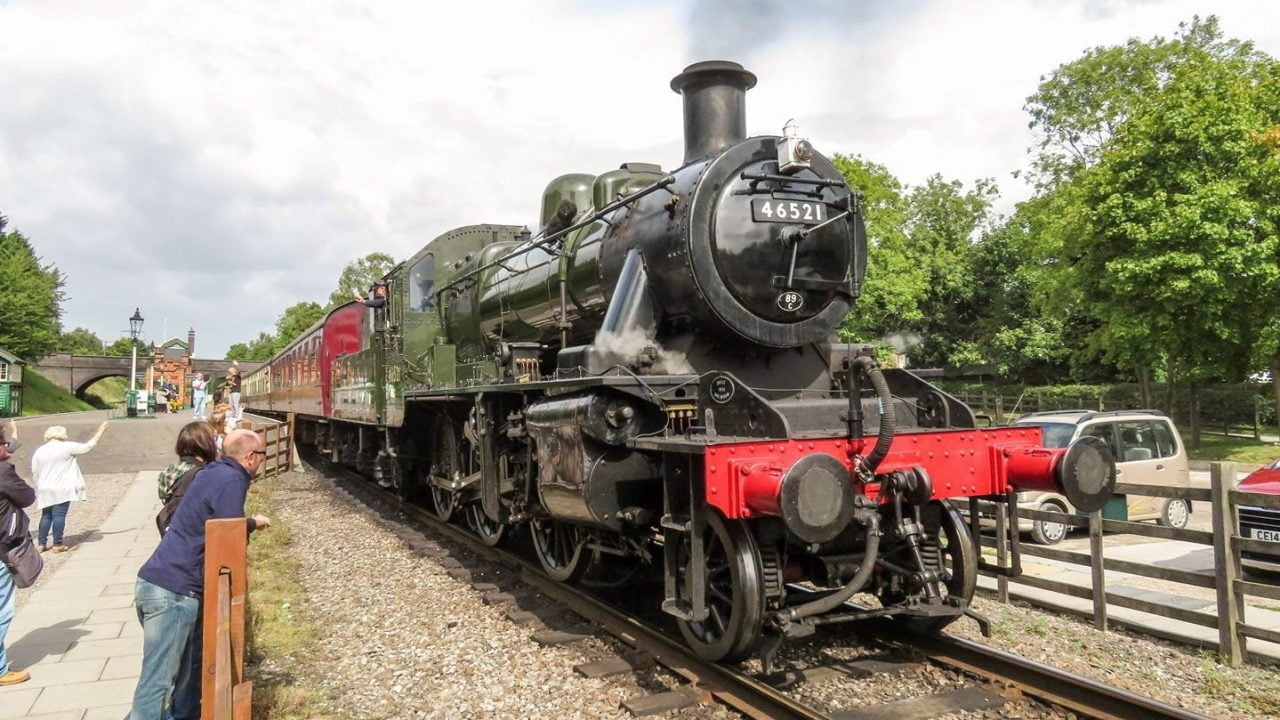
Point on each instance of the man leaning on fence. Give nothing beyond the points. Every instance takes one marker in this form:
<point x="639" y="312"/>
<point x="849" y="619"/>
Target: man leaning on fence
<point x="170" y="584"/>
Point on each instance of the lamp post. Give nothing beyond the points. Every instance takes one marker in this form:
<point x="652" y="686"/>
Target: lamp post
<point x="135" y="327"/>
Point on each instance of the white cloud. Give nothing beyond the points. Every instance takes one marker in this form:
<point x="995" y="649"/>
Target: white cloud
<point x="215" y="162"/>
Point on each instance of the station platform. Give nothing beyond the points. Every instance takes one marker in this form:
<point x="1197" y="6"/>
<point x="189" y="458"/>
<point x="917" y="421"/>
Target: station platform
<point x="78" y="633"/>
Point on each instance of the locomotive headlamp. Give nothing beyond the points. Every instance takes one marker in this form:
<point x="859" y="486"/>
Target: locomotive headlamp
<point x="816" y="501"/>
<point x="794" y="153"/>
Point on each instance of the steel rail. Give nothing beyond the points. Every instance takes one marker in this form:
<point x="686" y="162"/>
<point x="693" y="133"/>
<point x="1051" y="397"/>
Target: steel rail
<point x="1083" y="695"/>
<point x="1079" y="693"/>
<point x="743" y="693"/>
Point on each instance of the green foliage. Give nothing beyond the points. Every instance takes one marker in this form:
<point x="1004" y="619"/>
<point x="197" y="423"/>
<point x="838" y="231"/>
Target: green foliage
<point x="123" y="347"/>
<point x="258" y="349"/>
<point x="107" y="393"/>
<point x="295" y="320"/>
<point x="359" y="275"/>
<point x="79" y="342"/>
<point x="32" y="296"/>
<point x="42" y="397"/>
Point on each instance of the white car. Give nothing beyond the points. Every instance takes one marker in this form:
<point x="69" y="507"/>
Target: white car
<point x="1148" y="451"/>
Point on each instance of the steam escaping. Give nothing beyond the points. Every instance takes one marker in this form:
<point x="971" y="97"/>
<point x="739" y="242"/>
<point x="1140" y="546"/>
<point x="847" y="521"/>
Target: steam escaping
<point x="639" y="350"/>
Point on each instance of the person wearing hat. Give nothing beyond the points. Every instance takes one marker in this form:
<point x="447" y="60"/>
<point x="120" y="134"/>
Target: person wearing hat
<point x="376" y="299"/>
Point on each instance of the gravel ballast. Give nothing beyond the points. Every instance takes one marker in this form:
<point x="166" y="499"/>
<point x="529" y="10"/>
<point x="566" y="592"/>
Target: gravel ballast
<point x="401" y="638"/>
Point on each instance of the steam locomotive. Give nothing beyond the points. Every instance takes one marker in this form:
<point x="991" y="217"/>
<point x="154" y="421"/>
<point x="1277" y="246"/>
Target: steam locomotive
<point x="652" y="381"/>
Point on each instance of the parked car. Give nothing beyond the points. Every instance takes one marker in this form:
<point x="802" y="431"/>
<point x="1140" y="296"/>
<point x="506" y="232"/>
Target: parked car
<point x="1148" y="451"/>
<point x="1259" y="523"/>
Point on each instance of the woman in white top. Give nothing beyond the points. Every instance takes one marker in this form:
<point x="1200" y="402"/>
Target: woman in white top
<point x="58" y="481"/>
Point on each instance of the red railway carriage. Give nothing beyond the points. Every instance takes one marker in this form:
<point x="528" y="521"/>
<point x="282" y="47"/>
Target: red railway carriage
<point x="299" y="379"/>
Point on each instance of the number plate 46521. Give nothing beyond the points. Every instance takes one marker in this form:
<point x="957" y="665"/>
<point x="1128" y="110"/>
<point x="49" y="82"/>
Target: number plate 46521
<point x="800" y="212"/>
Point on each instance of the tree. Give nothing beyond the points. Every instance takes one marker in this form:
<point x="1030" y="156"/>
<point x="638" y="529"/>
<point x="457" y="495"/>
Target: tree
<point x="893" y="287"/>
<point x="123" y="347"/>
<point x="943" y="222"/>
<point x="79" y="342"/>
<point x="30" y="298"/>
<point x="1170" y="235"/>
<point x="294" y="321"/>
<point x="258" y="349"/>
<point x="359" y="275"/>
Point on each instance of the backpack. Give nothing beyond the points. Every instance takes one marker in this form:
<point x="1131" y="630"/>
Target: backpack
<point x="168" y="479"/>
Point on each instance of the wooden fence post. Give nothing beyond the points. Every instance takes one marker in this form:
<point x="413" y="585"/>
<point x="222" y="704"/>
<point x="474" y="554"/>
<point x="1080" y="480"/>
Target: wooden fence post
<point x="1099" y="575"/>
<point x="290" y="447"/>
<point x="1231" y="643"/>
<point x="1002" y="550"/>
<point x="224" y="695"/>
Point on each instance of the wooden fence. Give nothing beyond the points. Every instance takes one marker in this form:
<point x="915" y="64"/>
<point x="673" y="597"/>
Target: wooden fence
<point x="278" y="437"/>
<point x="1223" y="500"/>
<point x="224" y="694"/>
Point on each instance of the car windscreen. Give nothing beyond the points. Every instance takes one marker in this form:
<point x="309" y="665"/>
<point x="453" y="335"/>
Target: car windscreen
<point x="1056" y="435"/>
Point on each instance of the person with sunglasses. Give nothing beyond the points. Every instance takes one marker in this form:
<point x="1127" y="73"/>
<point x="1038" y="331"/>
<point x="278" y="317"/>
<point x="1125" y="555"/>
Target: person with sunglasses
<point x="171" y="583"/>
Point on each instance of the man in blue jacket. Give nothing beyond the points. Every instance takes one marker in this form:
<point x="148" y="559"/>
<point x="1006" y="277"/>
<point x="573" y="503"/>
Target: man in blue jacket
<point x="171" y="583"/>
<point x="15" y="494"/>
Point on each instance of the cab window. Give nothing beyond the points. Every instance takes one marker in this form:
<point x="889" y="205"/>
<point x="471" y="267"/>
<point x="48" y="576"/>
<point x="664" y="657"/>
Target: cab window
<point x="1104" y="432"/>
<point x="1137" y="441"/>
<point x="422" y="282"/>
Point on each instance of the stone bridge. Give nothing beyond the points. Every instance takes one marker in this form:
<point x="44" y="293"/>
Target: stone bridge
<point x="74" y="373"/>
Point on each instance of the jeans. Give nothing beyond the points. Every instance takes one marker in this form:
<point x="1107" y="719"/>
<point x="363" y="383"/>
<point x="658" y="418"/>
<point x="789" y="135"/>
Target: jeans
<point x="197" y="402"/>
<point x="236" y="411"/>
<point x="55" y="516"/>
<point x="168" y="622"/>
<point x="8" y="595"/>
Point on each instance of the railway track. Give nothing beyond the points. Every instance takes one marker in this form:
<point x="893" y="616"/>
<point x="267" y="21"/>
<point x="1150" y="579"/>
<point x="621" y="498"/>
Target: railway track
<point x="996" y="676"/>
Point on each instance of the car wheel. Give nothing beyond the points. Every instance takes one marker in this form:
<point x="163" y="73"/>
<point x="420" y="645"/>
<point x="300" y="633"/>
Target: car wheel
<point x="1174" y="514"/>
<point x="1044" y="532"/>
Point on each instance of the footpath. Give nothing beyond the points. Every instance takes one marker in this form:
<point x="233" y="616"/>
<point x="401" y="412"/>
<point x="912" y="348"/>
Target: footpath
<point x="78" y="634"/>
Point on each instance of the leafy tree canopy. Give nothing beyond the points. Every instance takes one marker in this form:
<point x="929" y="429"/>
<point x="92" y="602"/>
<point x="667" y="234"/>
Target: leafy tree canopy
<point x="79" y="342"/>
<point x="122" y="347"/>
<point x="31" y="293"/>
<point x="359" y="275"/>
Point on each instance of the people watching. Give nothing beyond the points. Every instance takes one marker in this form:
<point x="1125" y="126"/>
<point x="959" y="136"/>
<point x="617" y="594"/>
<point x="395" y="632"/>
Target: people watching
<point x="220" y="423"/>
<point x="196" y="447"/>
<point x="171" y="583"/>
<point x="199" y="393"/>
<point x="15" y="494"/>
<point x="234" y="380"/>
<point x="59" y="481"/>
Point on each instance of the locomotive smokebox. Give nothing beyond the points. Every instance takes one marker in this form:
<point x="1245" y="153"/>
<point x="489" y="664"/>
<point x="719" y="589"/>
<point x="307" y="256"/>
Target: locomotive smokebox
<point x="715" y="106"/>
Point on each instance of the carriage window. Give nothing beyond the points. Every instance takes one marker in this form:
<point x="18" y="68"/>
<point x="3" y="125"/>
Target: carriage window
<point x="422" y="284"/>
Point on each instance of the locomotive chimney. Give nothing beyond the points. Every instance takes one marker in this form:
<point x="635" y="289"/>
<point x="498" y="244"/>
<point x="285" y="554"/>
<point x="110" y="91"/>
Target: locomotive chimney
<point x="715" y="93"/>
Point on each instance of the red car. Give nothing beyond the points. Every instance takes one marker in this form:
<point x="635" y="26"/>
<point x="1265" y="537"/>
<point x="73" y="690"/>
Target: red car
<point x="1259" y="523"/>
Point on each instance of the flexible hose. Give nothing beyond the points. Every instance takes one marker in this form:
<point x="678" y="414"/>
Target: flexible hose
<point x="834" y="600"/>
<point x="888" y="417"/>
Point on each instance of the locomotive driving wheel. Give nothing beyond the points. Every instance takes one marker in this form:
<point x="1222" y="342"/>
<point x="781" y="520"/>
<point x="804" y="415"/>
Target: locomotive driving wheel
<point x="946" y="547"/>
<point x="490" y="532"/>
<point x="446" y="464"/>
<point x="559" y="547"/>
<point x="734" y="592"/>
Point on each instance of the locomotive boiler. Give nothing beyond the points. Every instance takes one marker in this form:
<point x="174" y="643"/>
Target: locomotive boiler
<point x="653" y="382"/>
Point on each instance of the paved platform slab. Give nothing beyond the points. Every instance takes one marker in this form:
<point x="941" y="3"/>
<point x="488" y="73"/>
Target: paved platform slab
<point x="78" y="634"/>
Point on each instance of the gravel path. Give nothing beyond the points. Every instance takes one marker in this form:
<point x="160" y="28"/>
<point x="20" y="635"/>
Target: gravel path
<point x="83" y="520"/>
<point x="403" y="639"/>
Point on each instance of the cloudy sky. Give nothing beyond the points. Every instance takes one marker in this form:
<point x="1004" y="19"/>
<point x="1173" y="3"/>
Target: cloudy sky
<point x="214" y="162"/>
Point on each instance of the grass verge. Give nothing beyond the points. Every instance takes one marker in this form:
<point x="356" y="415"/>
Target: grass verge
<point x="41" y="397"/>
<point x="1234" y="449"/>
<point x="280" y="636"/>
